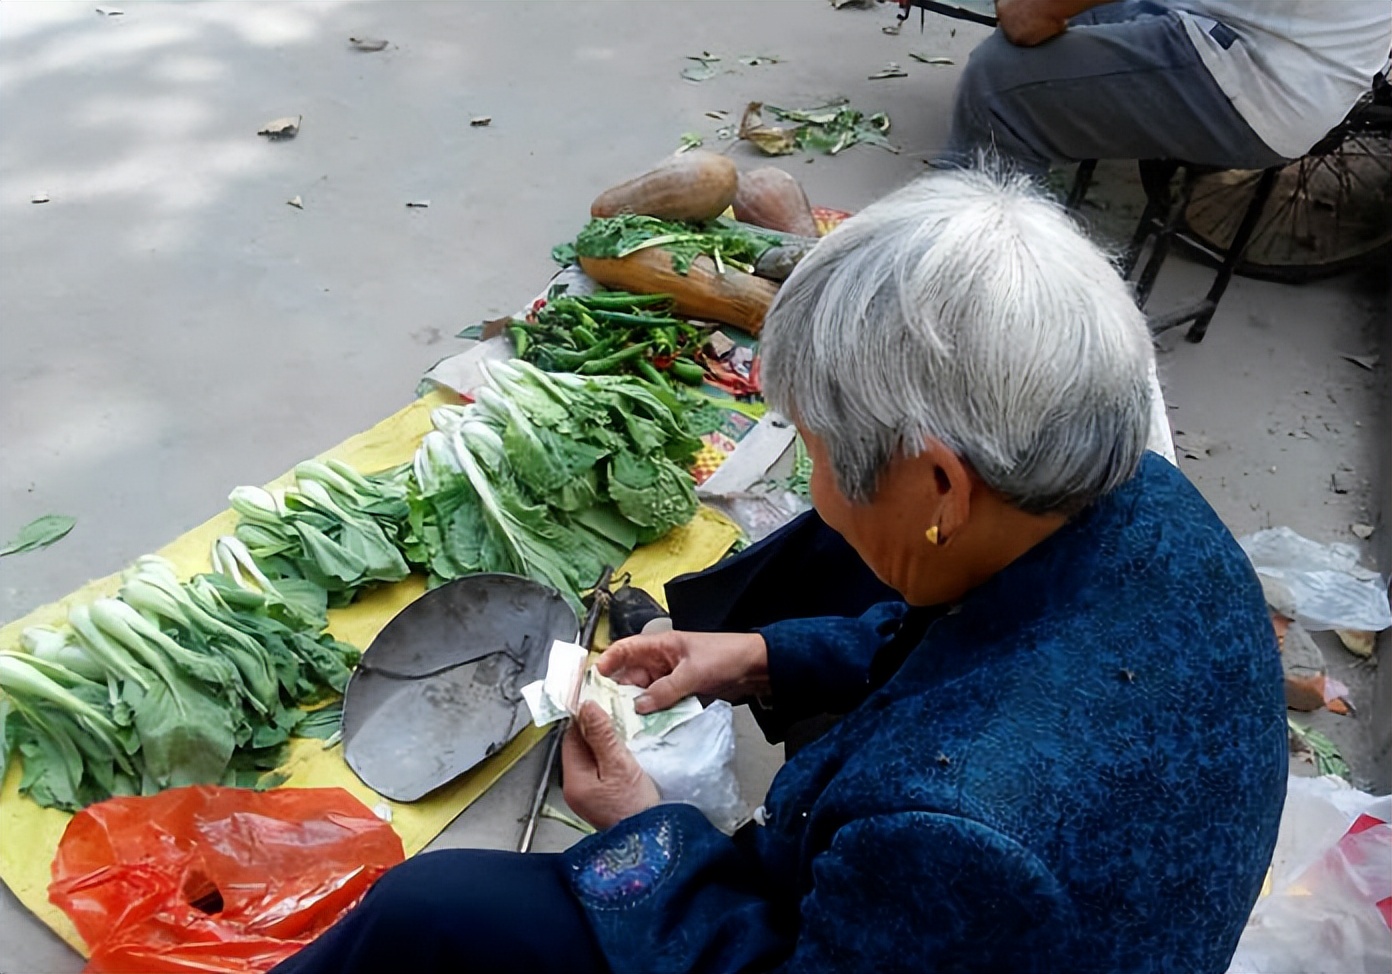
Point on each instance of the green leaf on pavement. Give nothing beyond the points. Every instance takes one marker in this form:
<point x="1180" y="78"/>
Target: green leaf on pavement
<point x="39" y="533"/>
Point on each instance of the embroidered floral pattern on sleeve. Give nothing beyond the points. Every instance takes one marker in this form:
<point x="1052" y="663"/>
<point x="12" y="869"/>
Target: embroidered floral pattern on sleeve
<point x="627" y="864"/>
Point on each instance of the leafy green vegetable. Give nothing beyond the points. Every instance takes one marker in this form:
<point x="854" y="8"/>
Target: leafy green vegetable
<point x="335" y="529"/>
<point x="724" y="241"/>
<point x="172" y="683"/>
<point x="552" y="476"/>
<point x="323" y="723"/>
<point x="39" y="533"/>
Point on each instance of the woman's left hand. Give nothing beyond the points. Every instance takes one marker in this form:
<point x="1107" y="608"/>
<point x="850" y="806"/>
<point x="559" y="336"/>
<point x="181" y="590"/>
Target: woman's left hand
<point x="602" y="781"/>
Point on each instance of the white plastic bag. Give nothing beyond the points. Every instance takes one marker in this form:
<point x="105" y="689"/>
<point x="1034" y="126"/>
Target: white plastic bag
<point x="1329" y="903"/>
<point x="1323" y="585"/>
<point x="695" y="763"/>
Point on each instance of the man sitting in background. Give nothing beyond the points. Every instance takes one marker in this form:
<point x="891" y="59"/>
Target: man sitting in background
<point x="1237" y="84"/>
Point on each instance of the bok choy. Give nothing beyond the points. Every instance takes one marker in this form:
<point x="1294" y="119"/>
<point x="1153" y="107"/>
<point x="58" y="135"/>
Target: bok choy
<point x="548" y="475"/>
<point x="172" y="683"/>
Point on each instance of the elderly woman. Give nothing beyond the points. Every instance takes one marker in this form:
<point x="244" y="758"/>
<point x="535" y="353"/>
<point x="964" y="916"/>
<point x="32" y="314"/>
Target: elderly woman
<point x="1063" y="743"/>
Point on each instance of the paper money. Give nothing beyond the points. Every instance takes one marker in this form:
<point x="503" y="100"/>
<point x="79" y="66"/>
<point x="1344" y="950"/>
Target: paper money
<point x="543" y="710"/>
<point x="556" y="696"/>
<point x="617" y="700"/>
<point x="568" y="684"/>
<point x="564" y="668"/>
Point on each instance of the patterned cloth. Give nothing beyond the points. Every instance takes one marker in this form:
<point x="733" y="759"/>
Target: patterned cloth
<point x="1081" y="767"/>
<point x="828" y="219"/>
<point x="715" y="450"/>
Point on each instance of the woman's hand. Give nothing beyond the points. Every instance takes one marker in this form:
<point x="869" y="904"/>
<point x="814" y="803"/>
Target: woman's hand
<point x="675" y="665"/>
<point x="601" y="779"/>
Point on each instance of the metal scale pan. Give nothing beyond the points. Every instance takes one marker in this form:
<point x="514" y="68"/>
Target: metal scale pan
<point x="439" y="689"/>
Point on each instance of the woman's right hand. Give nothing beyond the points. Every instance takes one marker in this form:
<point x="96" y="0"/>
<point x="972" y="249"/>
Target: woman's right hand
<point x="673" y="665"/>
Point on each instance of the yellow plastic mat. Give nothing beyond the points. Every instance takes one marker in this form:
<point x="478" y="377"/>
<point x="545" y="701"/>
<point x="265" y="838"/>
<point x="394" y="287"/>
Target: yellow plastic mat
<point x="29" y="834"/>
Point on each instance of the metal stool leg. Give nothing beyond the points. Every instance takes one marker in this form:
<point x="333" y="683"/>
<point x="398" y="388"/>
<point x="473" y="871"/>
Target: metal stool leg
<point x="1160" y="248"/>
<point x="1155" y="180"/>
<point x="1081" y="181"/>
<point x="1236" y="249"/>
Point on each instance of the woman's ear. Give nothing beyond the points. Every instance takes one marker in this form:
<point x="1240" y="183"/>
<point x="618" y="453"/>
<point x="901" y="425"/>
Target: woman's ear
<point x="952" y="483"/>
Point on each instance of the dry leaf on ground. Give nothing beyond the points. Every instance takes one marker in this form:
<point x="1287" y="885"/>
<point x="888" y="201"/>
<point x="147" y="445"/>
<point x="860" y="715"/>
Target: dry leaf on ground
<point x="282" y="128"/>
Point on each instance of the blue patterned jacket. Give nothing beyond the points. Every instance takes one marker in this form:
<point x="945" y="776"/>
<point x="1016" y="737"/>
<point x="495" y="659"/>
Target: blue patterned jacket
<point x="1081" y="767"/>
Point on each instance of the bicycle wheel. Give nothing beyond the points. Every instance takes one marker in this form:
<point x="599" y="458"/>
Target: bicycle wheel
<point x="1329" y="210"/>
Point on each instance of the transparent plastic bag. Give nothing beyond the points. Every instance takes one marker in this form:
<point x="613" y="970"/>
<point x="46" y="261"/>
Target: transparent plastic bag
<point x="225" y="880"/>
<point x="1323" y="585"/>
<point x="1329" y="903"/>
<point x="695" y="763"/>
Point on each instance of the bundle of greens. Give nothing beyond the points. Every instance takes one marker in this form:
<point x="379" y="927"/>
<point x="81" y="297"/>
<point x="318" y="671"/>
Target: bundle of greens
<point x="551" y="476"/>
<point x="335" y="529"/>
<point x="169" y="684"/>
<point x="723" y="241"/>
<point x="611" y="333"/>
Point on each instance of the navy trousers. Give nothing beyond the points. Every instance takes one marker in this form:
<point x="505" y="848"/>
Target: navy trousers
<point x="458" y="911"/>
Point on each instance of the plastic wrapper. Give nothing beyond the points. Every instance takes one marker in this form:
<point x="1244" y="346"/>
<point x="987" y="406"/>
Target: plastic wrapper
<point x="215" y="879"/>
<point x="694" y="763"/>
<point x="1328" y="905"/>
<point x="1321" y="586"/>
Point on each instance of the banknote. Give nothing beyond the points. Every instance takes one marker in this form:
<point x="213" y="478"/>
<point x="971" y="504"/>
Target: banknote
<point x="617" y="700"/>
<point x="556" y="696"/>
<point x="569" y="683"/>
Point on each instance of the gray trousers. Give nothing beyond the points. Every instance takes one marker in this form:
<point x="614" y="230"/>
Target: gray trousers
<point x="1123" y="82"/>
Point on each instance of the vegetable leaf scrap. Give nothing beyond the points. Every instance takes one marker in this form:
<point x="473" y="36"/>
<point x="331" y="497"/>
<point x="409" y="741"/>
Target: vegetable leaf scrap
<point x="39" y="533"/>
<point x="827" y="129"/>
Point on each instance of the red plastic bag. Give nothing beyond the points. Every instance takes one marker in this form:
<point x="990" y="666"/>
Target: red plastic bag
<point x="215" y="879"/>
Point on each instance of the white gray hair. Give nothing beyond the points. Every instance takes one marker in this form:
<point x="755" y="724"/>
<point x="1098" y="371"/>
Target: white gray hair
<point x="968" y="308"/>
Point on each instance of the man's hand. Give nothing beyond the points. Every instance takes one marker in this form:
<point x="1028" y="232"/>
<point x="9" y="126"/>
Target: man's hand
<point x="1029" y="22"/>
<point x="675" y="665"/>
<point x="602" y="781"/>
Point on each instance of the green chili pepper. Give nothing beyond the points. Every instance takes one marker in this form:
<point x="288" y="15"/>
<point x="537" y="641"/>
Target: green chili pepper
<point x="546" y="329"/>
<point x="618" y="300"/>
<point x="645" y="369"/>
<point x="566" y="305"/>
<point x="641" y="320"/>
<point x="610" y="363"/>
<point x="572" y="360"/>
<point x="687" y="371"/>
<point x="518" y="335"/>
<point x="665" y="340"/>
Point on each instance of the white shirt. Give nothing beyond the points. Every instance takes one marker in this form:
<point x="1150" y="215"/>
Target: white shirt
<point x="1292" y="68"/>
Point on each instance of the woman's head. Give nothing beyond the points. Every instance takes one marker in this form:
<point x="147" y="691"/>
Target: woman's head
<point x="962" y="317"/>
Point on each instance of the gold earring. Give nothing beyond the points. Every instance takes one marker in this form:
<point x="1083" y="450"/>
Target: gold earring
<point x="932" y="535"/>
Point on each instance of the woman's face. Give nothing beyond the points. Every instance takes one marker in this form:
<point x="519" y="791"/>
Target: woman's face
<point x="888" y="532"/>
<point x="932" y="531"/>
